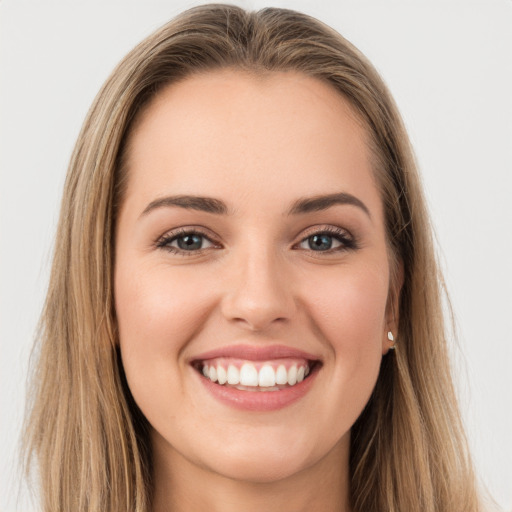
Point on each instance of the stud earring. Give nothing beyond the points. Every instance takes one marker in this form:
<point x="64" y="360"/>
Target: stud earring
<point x="391" y="338"/>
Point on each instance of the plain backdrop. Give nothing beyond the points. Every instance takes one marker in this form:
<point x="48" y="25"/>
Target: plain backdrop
<point x="448" y="64"/>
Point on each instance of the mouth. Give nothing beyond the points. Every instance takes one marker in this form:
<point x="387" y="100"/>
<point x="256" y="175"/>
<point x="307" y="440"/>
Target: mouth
<point x="257" y="378"/>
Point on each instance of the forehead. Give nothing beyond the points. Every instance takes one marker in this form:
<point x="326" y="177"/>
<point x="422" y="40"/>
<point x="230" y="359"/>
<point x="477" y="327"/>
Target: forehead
<point x="229" y="131"/>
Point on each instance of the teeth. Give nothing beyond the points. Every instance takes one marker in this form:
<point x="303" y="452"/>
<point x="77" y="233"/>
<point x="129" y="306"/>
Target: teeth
<point x="267" y="377"/>
<point x="222" y="376"/>
<point x="233" y="375"/>
<point x="281" y="375"/>
<point x="249" y="377"/>
<point x="292" y="375"/>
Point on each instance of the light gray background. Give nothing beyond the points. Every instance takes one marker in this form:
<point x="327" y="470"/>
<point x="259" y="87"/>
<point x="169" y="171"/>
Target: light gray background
<point x="448" y="64"/>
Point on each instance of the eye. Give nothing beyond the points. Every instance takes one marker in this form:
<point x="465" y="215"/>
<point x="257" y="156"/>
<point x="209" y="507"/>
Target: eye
<point x="328" y="240"/>
<point x="184" y="242"/>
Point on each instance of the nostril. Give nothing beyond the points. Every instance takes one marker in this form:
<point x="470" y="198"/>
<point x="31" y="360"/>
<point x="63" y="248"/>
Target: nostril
<point x="256" y="321"/>
<point x="259" y="302"/>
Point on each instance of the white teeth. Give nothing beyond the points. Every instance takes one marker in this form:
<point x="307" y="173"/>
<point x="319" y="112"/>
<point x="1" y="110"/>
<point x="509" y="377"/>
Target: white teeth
<point x="233" y="375"/>
<point x="222" y="376"/>
<point x="281" y="375"/>
<point x="267" y="377"/>
<point x="248" y="375"/>
<point x="292" y="375"/>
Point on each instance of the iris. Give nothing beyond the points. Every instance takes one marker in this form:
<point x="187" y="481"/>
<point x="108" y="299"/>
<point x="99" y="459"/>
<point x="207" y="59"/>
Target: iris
<point x="190" y="242"/>
<point x="320" y="242"/>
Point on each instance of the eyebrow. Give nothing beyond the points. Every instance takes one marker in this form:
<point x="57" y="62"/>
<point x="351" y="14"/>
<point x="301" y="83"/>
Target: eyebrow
<point x="219" y="207"/>
<point x="323" y="202"/>
<point x="203" y="204"/>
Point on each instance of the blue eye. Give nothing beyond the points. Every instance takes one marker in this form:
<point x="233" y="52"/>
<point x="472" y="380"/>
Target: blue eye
<point x="191" y="242"/>
<point x="184" y="242"/>
<point x="320" y="242"/>
<point x="328" y="240"/>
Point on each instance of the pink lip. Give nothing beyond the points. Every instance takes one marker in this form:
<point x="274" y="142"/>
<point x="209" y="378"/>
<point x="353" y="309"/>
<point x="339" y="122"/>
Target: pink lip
<point x="258" y="400"/>
<point x="256" y="353"/>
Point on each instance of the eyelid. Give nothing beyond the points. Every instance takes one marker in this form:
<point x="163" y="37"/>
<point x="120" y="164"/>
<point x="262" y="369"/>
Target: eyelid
<point x="163" y="241"/>
<point x="325" y="228"/>
<point x="344" y="236"/>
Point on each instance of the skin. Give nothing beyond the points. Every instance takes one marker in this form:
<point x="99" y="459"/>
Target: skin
<point x="258" y="144"/>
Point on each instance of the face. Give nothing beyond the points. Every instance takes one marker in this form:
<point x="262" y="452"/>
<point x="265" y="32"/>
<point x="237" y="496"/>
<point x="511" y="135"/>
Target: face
<point x="252" y="273"/>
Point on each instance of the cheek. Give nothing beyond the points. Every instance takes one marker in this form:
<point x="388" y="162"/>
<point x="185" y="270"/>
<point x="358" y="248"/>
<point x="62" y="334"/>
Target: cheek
<point x="349" y="312"/>
<point x="156" y="320"/>
<point x="349" y="307"/>
<point x="157" y="311"/>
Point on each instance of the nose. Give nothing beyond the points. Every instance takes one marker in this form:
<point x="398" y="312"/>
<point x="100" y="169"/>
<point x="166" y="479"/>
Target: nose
<point x="260" y="292"/>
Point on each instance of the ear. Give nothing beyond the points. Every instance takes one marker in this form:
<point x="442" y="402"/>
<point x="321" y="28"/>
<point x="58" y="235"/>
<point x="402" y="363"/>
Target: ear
<point x="396" y="281"/>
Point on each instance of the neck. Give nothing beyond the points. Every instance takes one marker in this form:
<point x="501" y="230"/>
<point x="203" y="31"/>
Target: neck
<point x="183" y="486"/>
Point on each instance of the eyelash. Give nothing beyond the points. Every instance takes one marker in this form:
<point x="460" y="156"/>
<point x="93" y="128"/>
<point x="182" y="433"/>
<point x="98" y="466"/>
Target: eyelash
<point x="165" y="241"/>
<point x="348" y="242"/>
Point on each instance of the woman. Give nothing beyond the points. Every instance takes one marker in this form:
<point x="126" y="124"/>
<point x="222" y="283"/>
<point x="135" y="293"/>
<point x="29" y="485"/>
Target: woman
<point x="244" y="309"/>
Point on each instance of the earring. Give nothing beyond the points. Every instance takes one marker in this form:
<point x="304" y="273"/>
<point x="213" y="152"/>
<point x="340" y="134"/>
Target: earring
<point x="391" y="338"/>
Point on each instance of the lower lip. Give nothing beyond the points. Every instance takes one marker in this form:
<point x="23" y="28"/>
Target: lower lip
<point x="259" y="400"/>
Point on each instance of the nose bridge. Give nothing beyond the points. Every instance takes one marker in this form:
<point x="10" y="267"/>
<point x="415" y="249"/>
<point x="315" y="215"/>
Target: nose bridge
<point x="259" y="292"/>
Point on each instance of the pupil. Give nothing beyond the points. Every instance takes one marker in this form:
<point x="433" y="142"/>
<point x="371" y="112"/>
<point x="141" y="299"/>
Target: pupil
<point x="320" y="242"/>
<point x="190" y="242"/>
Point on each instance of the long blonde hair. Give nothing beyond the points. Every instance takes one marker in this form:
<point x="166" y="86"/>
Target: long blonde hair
<point x="90" y="441"/>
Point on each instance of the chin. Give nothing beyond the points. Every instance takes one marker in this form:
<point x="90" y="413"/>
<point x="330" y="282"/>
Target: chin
<point x="263" y="469"/>
<point x="272" y="458"/>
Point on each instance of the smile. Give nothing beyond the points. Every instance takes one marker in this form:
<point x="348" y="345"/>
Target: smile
<point x="272" y="375"/>
<point x="255" y="378"/>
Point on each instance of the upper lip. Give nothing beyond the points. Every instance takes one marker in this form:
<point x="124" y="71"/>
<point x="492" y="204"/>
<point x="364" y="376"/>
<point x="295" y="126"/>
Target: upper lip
<point x="255" y="353"/>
